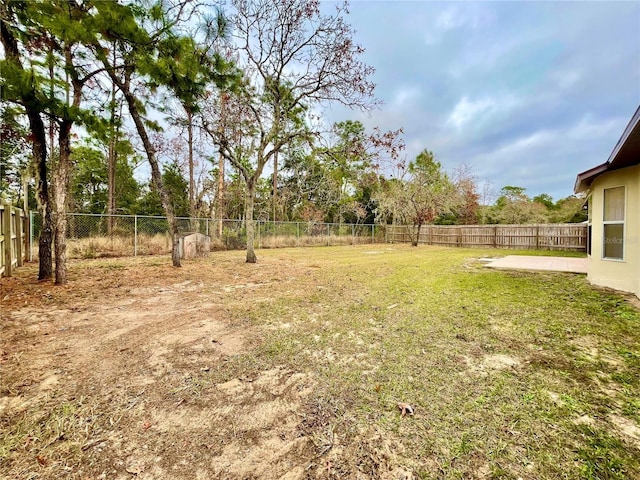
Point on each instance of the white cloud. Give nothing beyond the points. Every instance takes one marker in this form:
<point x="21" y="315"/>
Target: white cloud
<point x="535" y="142"/>
<point x="471" y="16"/>
<point x="566" y="80"/>
<point x="588" y="129"/>
<point x="451" y="19"/>
<point x="465" y="111"/>
<point x="483" y="112"/>
<point x="454" y="18"/>
<point x="404" y="95"/>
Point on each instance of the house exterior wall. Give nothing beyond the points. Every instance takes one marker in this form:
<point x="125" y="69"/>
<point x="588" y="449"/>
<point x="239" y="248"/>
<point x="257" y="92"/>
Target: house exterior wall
<point x="619" y="274"/>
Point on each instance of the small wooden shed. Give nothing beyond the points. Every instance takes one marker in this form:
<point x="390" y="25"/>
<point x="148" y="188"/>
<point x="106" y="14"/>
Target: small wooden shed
<point x="194" y="245"/>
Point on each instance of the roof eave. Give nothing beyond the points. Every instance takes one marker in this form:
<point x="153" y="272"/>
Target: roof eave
<point x="618" y="158"/>
<point x="628" y="131"/>
<point x="584" y="179"/>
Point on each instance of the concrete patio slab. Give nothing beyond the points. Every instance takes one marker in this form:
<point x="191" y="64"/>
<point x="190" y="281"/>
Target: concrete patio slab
<point x="544" y="264"/>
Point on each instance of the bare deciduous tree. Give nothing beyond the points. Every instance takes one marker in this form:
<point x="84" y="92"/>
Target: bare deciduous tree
<point x="294" y="57"/>
<point x="420" y="196"/>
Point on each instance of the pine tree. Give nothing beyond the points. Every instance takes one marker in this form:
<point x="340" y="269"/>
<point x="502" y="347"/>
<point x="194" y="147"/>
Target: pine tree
<point x="23" y="85"/>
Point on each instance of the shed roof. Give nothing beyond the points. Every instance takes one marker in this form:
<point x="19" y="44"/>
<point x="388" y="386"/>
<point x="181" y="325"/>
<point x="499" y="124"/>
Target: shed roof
<point x="625" y="154"/>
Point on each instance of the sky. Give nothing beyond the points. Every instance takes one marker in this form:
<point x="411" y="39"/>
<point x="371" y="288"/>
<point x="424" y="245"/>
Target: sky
<point x="528" y="94"/>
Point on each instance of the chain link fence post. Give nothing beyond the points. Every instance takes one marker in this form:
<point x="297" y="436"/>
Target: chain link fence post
<point x="135" y="235"/>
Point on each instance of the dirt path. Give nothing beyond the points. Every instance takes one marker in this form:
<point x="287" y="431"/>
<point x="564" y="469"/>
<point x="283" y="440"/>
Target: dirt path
<point x="135" y="370"/>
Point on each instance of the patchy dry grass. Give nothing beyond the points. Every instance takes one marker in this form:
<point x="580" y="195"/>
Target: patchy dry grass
<point x="292" y="368"/>
<point x="118" y="246"/>
<point x="284" y="241"/>
<point x="123" y="245"/>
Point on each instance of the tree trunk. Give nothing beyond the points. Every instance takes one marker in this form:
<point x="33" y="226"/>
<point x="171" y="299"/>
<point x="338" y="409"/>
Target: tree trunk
<point x="274" y="193"/>
<point x="417" y="237"/>
<point x="220" y="195"/>
<point x="62" y="172"/>
<point x="249" y="222"/>
<point x="39" y="142"/>
<point x="60" y="183"/>
<point x="221" y="161"/>
<point x="156" y="175"/>
<point x="175" y="248"/>
<point x="192" y="183"/>
<point x="111" y="183"/>
<point x="52" y="195"/>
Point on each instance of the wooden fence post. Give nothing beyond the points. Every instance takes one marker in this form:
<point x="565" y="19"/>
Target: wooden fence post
<point x="2" y="239"/>
<point x="6" y="220"/>
<point x="18" y="227"/>
<point x="27" y="236"/>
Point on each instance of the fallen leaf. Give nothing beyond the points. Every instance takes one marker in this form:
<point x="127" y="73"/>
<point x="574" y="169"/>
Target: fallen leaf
<point x="146" y="425"/>
<point x="41" y="460"/>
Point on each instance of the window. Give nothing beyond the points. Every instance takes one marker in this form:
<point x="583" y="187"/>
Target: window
<point x="613" y="221"/>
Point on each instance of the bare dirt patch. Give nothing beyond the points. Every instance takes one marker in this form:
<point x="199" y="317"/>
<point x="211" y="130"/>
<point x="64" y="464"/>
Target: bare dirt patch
<point x="627" y="427"/>
<point x="116" y="375"/>
<point x="491" y="363"/>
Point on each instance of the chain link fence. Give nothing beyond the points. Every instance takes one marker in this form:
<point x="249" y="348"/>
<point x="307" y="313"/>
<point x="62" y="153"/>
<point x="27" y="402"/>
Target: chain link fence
<point x="95" y="235"/>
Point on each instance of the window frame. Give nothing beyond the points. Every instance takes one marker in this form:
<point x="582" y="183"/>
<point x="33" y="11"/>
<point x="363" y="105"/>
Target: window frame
<point x="614" y="222"/>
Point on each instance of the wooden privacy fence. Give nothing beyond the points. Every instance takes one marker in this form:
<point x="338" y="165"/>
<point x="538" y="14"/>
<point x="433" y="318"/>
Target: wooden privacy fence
<point x="556" y="236"/>
<point x="14" y="238"/>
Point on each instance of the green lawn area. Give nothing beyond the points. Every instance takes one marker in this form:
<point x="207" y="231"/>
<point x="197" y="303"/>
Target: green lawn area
<point x="512" y="374"/>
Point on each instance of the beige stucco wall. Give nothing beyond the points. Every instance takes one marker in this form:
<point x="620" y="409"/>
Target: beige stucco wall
<point x="619" y="274"/>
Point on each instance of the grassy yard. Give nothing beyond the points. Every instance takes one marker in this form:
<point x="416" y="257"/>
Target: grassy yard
<point x="511" y="374"/>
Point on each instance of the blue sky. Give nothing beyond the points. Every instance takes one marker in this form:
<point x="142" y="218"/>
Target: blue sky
<point x="527" y="93"/>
